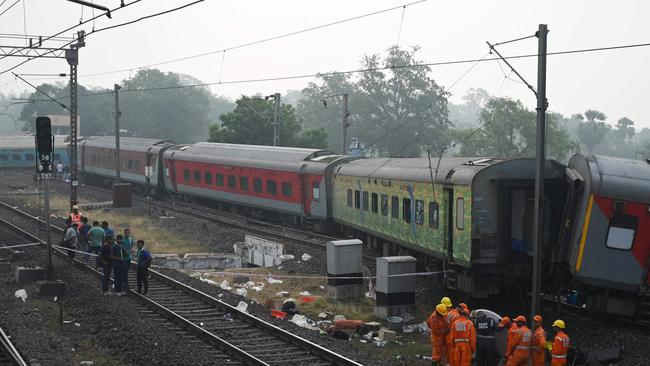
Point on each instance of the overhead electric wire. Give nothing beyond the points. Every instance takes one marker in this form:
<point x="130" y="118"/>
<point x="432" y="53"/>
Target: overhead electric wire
<point x="247" y="44"/>
<point x="10" y="6"/>
<point x="515" y="40"/>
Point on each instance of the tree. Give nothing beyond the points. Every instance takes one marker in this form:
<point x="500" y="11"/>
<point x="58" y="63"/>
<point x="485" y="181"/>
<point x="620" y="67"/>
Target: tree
<point x="509" y="131"/>
<point x="625" y="128"/>
<point x="592" y="133"/>
<point x="251" y="122"/>
<point x="467" y="114"/>
<point x="594" y="115"/>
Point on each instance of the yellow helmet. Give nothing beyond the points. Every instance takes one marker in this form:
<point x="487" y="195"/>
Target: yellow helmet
<point x="446" y="302"/>
<point x="441" y="309"/>
<point x="559" y="323"/>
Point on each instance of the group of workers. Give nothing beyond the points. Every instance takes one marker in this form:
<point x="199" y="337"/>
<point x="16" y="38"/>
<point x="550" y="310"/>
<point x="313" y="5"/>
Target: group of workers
<point x="458" y="336"/>
<point x="114" y="252"/>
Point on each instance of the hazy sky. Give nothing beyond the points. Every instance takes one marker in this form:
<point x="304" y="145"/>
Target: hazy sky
<point x="614" y="82"/>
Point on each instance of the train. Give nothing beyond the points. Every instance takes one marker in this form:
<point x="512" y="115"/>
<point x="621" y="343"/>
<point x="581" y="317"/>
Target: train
<point x="20" y="152"/>
<point x="469" y="217"/>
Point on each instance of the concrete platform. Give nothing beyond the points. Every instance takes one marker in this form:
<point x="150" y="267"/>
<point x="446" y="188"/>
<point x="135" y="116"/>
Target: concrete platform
<point x="54" y="288"/>
<point x="27" y="275"/>
<point x="345" y="292"/>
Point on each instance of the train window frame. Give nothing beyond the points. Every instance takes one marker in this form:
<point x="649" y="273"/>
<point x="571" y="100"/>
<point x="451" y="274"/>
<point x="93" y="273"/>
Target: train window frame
<point x="394" y="207"/>
<point x="136" y="164"/>
<point x="131" y="164"/>
<point x="243" y="183"/>
<point x="258" y="186"/>
<point x="218" y="179"/>
<point x="16" y="157"/>
<point x="187" y="175"/>
<point x="271" y="187"/>
<point x="349" y="197"/>
<point x="406" y="210"/>
<point x="384" y="204"/>
<point x="419" y="212"/>
<point x="286" y="189"/>
<point x="207" y="178"/>
<point x="357" y="199"/>
<point x="374" y="202"/>
<point x="622" y="224"/>
<point x="460" y="213"/>
<point x="315" y="190"/>
<point x="29" y="157"/>
<point x="232" y="181"/>
<point x="434" y="214"/>
<point x="197" y="176"/>
<point x="4" y="157"/>
<point x="364" y="201"/>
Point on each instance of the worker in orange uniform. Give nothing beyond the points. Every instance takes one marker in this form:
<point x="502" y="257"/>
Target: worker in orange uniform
<point x="438" y="325"/>
<point x="75" y="216"/>
<point x="539" y="340"/>
<point x="452" y="315"/>
<point x="508" y="326"/>
<point x="518" y="352"/>
<point x="560" y="344"/>
<point x="463" y="334"/>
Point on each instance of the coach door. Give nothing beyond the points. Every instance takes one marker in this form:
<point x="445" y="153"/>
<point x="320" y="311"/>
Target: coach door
<point x="448" y="222"/>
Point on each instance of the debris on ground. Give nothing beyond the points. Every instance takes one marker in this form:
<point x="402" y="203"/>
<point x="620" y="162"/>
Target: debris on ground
<point x="304" y="293"/>
<point x="412" y="328"/>
<point x="21" y="294"/>
<point x="241" y="292"/>
<point x="273" y="281"/>
<point x="290" y="307"/>
<point x="225" y="285"/>
<point x="305" y="257"/>
<point x="281" y="294"/>
<point x="242" y="306"/>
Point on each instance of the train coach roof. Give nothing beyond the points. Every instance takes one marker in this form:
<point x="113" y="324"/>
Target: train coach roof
<point x="270" y="157"/>
<point x="625" y="179"/>
<point x="450" y="170"/>
<point x="27" y="141"/>
<point x="126" y="143"/>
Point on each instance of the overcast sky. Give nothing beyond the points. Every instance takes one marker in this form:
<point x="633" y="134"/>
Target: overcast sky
<point x="614" y="82"/>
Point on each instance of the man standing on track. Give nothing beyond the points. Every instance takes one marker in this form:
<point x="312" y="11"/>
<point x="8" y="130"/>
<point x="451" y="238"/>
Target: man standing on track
<point x="105" y="260"/>
<point x="144" y="260"/>
<point x="96" y="236"/>
<point x="438" y="325"/>
<point x="118" y="259"/>
<point x="485" y="341"/>
<point x="518" y="352"/>
<point x="75" y="216"/>
<point x="560" y="344"/>
<point x="464" y="337"/>
<point x="539" y="341"/>
<point x="128" y="244"/>
<point x="452" y="315"/>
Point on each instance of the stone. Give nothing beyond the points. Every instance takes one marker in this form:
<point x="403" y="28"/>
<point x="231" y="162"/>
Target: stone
<point x="387" y="335"/>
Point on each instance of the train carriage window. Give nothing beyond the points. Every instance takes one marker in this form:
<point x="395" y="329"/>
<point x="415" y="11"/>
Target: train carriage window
<point x="207" y="178"/>
<point x="29" y="157"/>
<point x="365" y="200"/>
<point x="621" y="232"/>
<point x="315" y="190"/>
<point x="243" y="183"/>
<point x="219" y="179"/>
<point x="286" y="189"/>
<point x="137" y="164"/>
<point x="419" y="212"/>
<point x="186" y="175"/>
<point x="357" y="199"/>
<point x="124" y="164"/>
<point x="394" y="207"/>
<point x="15" y="157"/>
<point x="406" y="210"/>
<point x="434" y="212"/>
<point x="232" y="181"/>
<point x="257" y="185"/>
<point x="374" y="202"/>
<point x="3" y="158"/>
<point x="271" y="187"/>
<point x="131" y="164"/>
<point x="349" y="197"/>
<point x="460" y="213"/>
<point x="197" y="176"/>
<point x="384" y="205"/>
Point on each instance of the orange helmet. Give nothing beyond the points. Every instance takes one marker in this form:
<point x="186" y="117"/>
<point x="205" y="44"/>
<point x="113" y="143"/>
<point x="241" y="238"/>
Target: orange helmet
<point x="464" y="306"/>
<point x="537" y="318"/>
<point x="504" y="321"/>
<point x="521" y="319"/>
<point x="464" y="311"/>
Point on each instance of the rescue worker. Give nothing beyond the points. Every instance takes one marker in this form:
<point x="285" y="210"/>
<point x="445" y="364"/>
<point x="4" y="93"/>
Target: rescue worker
<point x="539" y="341"/>
<point x="485" y="342"/>
<point x="452" y="315"/>
<point x="560" y="344"/>
<point x="438" y="325"/>
<point x="508" y="326"/>
<point x="464" y="338"/>
<point x="75" y="216"/>
<point x="518" y="352"/>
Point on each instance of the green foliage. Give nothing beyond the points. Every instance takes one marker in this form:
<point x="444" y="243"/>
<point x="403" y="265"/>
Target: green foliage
<point x="379" y="102"/>
<point x="467" y="114"/>
<point x="591" y="133"/>
<point x="509" y="131"/>
<point x="594" y="115"/>
<point x="251" y="122"/>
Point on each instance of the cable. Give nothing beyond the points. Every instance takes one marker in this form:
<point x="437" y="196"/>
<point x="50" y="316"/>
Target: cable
<point x="42" y="92"/>
<point x="25" y="22"/>
<point x="401" y="22"/>
<point x="258" y="41"/>
<point x="10" y="6"/>
<point x="2" y="3"/>
<point x="515" y="40"/>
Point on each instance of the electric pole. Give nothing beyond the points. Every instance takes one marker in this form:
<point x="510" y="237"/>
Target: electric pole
<point x="540" y="159"/>
<point x="72" y="56"/>
<point x="276" y="118"/>
<point x="116" y="89"/>
<point x="344" y="125"/>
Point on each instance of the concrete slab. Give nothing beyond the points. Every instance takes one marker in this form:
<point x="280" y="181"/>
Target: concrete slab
<point x="27" y="275"/>
<point x="344" y="292"/>
<point x="54" y="288"/>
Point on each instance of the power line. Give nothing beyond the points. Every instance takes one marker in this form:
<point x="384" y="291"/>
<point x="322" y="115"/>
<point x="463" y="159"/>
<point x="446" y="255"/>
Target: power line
<point x="10" y="6"/>
<point x="259" y="41"/>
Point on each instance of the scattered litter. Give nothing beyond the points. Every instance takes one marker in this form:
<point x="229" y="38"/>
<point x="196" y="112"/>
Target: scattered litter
<point x="220" y="295"/>
<point x="21" y="294"/>
<point x="368" y="336"/>
<point x="406" y="317"/>
<point x="289" y="299"/>
<point x="306" y="299"/>
<point x="278" y="314"/>
<point x="303" y="322"/>
<point x="322" y="287"/>
<point x="420" y="328"/>
<point x="250" y="284"/>
<point x="286" y="257"/>
<point x="201" y="324"/>
<point x="290" y="308"/>
<point x="86" y="363"/>
<point x="242" y="306"/>
<point x="209" y="281"/>
<point x="225" y="285"/>
<point x="363" y="341"/>
<point x="70" y="322"/>
<point x="228" y="317"/>
<point x="241" y="292"/>
<point x="77" y="324"/>
<point x="378" y="342"/>
<point x="322" y="316"/>
<point x="273" y="281"/>
<point x="56" y="298"/>
<point x="304" y="293"/>
<point x="257" y="288"/>
<point x="305" y="257"/>
<point x="339" y="317"/>
<point x="282" y="294"/>
<point x="155" y="344"/>
<point x="387" y="335"/>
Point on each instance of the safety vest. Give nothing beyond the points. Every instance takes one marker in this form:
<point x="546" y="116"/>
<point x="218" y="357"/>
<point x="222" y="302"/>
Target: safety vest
<point x="462" y="331"/>
<point x="75" y="218"/>
<point x="560" y="345"/>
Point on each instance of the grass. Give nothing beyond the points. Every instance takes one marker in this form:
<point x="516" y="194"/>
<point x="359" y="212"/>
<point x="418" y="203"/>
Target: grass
<point x="158" y="240"/>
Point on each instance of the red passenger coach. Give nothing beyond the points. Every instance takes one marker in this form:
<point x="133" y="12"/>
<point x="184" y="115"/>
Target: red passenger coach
<point x="275" y="179"/>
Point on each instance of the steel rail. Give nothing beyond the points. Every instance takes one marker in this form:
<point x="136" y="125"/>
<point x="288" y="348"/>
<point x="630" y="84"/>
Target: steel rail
<point x="12" y="356"/>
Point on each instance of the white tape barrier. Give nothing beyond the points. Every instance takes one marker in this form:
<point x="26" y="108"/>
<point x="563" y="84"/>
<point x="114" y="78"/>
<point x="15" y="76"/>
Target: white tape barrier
<point x="322" y="277"/>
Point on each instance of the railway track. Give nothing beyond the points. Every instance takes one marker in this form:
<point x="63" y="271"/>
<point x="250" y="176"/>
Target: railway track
<point x="9" y="355"/>
<point x="252" y="341"/>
